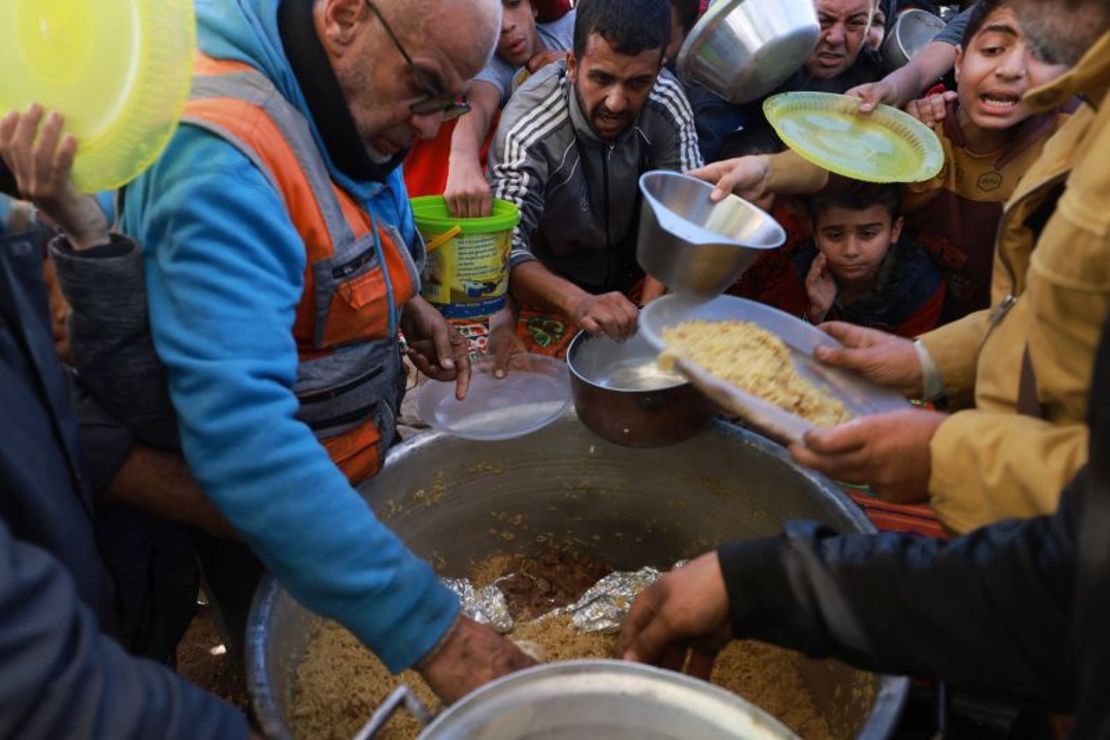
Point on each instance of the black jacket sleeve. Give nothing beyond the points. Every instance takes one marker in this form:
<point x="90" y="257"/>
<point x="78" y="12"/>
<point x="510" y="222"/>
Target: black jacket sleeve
<point x="60" y="676"/>
<point x="109" y="332"/>
<point x="990" y="611"/>
<point x="1092" y="607"/>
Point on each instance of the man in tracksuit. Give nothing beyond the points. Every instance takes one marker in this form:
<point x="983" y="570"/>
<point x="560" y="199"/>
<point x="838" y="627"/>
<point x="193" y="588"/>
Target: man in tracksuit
<point x="569" y="150"/>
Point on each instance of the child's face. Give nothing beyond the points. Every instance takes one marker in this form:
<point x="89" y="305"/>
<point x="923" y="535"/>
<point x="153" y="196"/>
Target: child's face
<point x="996" y="70"/>
<point x="877" y="32"/>
<point x="517" y="43"/>
<point x="855" y="241"/>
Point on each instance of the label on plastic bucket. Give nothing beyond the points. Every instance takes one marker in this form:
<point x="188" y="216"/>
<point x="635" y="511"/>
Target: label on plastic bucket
<point x="469" y="275"/>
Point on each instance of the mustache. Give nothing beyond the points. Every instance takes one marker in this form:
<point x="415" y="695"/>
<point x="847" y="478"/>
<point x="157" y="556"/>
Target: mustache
<point x="602" y="112"/>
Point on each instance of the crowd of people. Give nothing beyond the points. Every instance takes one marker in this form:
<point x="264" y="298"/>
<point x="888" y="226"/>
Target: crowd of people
<point x="199" y="370"/>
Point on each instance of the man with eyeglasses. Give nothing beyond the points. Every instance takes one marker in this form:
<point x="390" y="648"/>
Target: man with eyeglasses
<point x="281" y="265"/>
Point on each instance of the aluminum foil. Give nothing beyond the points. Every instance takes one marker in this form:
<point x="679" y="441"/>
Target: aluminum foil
<point x="604" y="607"/>
<point x="601" y="609"/>
<point x="485" y="606"/>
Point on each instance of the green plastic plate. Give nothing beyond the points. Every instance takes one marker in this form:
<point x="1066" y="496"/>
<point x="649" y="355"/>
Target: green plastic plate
<point x="885" y="145"/>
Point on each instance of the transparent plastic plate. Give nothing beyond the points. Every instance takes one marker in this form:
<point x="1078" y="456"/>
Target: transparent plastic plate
<point x="861" y="397"/>
<point x="498" y="408"/>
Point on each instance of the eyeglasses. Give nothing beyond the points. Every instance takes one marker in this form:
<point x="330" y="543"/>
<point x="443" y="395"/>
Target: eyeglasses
<point x="435" y="100"/>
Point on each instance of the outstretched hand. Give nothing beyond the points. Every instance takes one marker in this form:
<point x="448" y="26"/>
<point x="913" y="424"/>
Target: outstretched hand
<point x="41" y="159"/>
<point x="472" y="655"/>
<point x="932" y="109"/>
<point x="436" y="348"/>
<point x="681" y="621"/>
<point x="889" y="452"/>
<point x="884" y="359"/>
<point x="745" y="176"/>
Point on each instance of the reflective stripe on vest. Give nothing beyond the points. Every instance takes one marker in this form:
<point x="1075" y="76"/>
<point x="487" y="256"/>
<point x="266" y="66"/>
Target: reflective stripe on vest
<point x="358" y="273"/>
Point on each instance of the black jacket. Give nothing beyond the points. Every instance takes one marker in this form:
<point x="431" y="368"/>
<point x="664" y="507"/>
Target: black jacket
<point x="1021" y="607"/>
<point x="60" y="674"/>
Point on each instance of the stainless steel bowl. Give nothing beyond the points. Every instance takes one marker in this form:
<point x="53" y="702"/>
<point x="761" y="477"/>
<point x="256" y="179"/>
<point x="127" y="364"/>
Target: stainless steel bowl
<point x="622" y="395"/>
<point x="603" y="699"/>
<point x="912" y="31"/>
<point x="693" y="245"/>
<point x="744" y="49"/>
<point x="618" y="505"/>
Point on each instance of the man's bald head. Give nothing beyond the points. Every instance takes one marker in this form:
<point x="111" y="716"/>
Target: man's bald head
<point x="446" y="42"/>
<point x="467" y="30"/>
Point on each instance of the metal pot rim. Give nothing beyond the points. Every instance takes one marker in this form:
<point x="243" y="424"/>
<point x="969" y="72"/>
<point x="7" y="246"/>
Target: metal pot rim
<point x="581" y="338"/>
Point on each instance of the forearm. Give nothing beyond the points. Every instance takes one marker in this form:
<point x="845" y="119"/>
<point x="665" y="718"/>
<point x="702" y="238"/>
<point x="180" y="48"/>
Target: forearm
<point x="989" y="611"/>
<point x="470" y="132"/>
<point x="505" y="318"/>
<point x="991" y="466"/>
<point x="954" y="349"/>
<point x="109" y="334"/>
<point x="790" y="174"/>
<point x="160" y="483"/>
<point x="909" y="81"/>
<point x="534" y="285"/>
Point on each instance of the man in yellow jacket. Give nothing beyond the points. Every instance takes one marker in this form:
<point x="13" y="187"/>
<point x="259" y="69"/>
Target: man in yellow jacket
<point x="1017" y="375"/>
<point x="1026" y="362"/>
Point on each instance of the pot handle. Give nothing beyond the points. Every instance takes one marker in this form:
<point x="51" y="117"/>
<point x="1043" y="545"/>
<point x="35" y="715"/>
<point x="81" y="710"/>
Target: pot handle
<point x="401" y="696"/>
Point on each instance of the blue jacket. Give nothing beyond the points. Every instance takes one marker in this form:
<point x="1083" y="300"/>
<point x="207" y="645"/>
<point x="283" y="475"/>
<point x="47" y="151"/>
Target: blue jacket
<point x="224" y="268"/>
<point x="60" y="674"/>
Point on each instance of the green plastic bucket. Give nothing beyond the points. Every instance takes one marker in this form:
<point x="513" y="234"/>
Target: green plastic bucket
<point x="467" y="276"/>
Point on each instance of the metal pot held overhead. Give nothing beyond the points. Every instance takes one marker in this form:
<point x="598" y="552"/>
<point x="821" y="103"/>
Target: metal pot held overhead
<point x="622" y="395"/>
<point x="743" y="49"/>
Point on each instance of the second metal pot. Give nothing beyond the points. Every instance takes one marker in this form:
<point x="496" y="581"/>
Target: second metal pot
<point x="622" y="395"/>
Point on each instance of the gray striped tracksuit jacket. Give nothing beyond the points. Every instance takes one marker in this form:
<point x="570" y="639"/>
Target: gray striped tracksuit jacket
<point x="578" y="194"/>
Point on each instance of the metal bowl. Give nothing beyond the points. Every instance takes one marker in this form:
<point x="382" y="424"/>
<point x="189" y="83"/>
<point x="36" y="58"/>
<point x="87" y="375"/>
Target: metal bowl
<point x="913" y="30"/>
<point x="622" y="395"/>
<point x="693" y="245"/>
<point x="617" y="505"/>
<point x="744" y="49"/>
<point x="606" y="699"/>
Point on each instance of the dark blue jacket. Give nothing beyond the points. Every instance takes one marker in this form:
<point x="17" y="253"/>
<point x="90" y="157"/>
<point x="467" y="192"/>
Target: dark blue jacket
<point x="61" y="676"/>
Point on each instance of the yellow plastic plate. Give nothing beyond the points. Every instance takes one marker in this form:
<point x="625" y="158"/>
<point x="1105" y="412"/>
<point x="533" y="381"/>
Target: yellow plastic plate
<point x="886" y="145"/>
<point x="118" y="69"/>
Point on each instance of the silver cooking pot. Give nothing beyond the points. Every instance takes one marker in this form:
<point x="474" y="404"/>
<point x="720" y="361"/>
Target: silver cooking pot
<point x="622" y="395"/>
<point x="743" y="49"/>
<point x="611" y="699"/>
<point x="912" y="32"/>
<point x="622" y="506"/>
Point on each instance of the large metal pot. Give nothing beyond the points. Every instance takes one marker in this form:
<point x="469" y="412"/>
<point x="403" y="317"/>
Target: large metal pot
<point x="743" y="49"/>
<point x="622" y="395"/>
<point x="620" y="505"/>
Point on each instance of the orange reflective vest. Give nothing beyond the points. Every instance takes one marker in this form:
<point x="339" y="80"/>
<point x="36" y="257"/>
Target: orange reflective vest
<point x="358" y="273"/>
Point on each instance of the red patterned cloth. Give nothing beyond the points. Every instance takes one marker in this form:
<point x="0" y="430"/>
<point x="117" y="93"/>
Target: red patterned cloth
<point x="920" y="519"/>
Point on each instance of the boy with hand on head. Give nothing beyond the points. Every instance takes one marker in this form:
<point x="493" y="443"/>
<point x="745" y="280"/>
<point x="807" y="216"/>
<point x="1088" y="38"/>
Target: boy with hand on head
<point x="861" y="268"/>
